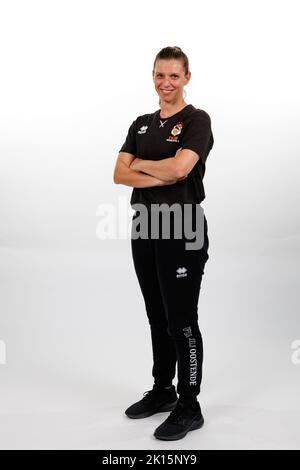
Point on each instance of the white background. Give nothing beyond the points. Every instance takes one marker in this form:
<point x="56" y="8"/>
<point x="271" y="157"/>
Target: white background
<point x="74" y="75"/>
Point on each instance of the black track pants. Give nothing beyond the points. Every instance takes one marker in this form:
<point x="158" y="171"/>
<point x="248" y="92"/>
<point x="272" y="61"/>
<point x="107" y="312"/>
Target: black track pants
<point x="170" y="277"/>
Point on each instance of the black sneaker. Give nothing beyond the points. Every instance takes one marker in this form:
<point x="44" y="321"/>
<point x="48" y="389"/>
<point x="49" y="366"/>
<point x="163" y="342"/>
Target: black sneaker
<point x="154" y="401"/>
<point x="182" y="419"/>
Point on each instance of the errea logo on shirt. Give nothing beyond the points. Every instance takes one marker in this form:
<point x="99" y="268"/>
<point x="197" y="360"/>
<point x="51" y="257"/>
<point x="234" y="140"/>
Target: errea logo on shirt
<point x="143" y="130"/>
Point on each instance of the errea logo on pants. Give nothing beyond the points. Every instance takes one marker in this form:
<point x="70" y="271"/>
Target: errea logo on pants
<point x="181" y="272"/>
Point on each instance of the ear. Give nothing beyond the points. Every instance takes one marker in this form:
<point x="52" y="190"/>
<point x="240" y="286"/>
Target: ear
<point x="188" y="76"/>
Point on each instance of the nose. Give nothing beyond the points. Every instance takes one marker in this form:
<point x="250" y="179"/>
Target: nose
<point x="166" y="84"/>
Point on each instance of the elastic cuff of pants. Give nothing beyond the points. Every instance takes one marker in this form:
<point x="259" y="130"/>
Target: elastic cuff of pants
<point x="161" y="386"/>
<point x="189" y="400"/>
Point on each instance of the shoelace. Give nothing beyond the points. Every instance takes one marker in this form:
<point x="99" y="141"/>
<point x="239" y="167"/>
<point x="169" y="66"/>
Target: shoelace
<point x="149" y="394"/>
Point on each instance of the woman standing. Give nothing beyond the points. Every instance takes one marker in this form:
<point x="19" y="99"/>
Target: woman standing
<point x="163" y="159"/>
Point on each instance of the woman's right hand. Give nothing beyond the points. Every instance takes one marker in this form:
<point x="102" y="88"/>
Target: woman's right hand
<point x="177" y="152"/>
<point x="182" y="177"/>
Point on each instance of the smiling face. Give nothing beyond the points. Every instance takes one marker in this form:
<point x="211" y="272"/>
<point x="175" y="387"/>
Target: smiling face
<point x="169" y="79"/>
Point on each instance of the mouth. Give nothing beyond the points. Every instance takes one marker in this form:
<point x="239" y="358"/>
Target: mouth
<point x="167" y="92"/>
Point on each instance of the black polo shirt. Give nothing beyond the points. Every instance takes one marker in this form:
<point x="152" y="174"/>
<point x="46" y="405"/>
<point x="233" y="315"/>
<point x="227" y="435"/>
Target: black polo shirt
<point x="154" y="138"/>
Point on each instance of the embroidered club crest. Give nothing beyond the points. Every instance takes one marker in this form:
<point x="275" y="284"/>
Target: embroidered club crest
<point x="175" y="132"/>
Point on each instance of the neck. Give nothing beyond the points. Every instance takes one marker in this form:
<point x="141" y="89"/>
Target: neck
<point x="168" y="109"/>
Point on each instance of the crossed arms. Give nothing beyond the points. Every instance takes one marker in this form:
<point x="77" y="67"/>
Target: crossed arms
<point x="139" y="173"/>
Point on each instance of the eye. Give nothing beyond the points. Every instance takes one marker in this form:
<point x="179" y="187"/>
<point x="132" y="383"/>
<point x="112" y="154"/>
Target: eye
<point x="173" y="76"/>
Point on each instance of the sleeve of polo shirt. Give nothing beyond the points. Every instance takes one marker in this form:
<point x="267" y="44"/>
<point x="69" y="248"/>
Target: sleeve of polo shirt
<point x="130" y="141"/>
<point x="197" y="135"/>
